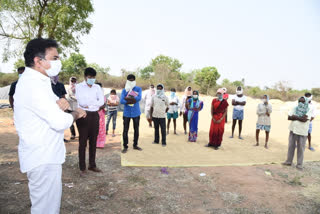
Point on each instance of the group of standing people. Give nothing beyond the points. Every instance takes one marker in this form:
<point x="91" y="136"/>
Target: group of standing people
<point x="42" y="112"/>
<point x="159" y="107"/>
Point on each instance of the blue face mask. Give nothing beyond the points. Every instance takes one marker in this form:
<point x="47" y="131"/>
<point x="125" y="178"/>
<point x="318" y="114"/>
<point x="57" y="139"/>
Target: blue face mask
<point x="220" y="97"/>
<point x="91" y="81"/>
<point x="173" y="93"/>
<point x="20" y="75"/>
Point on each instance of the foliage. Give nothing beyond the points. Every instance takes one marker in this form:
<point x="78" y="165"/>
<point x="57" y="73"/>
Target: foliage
<point x="207" y="79"/>
<point x="23" y="20"/>
<point x="17" y="64"/>
<point x="173" y="64"/>
<point x="7" y="78"/>
<point x="188" y="78"/>
<point x="73" y="66"/>
<point x="99" y="69"/>
<point x="146" y="72"/>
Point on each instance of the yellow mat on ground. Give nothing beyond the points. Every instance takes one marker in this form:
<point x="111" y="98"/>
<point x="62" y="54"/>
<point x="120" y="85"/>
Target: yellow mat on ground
<point x="180" y="153"/>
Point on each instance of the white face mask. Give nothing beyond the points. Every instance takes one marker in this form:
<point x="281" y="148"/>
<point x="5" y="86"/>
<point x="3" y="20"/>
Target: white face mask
<point x="239" y="92"/>
<point x="130" y="85"/>
<point x="55" y="68"/>
<point x="264" y="100"/>
<point x="195" y="96"/>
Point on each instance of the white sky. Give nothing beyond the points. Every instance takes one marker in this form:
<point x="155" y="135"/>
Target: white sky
<point x="262" y="41"/>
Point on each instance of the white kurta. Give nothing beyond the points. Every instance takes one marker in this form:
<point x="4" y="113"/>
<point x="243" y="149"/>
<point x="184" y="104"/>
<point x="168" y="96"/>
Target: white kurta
<point x="40" y="124"/>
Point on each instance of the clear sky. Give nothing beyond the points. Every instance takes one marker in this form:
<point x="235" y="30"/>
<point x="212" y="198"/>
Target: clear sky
<point x="262" y="41"/>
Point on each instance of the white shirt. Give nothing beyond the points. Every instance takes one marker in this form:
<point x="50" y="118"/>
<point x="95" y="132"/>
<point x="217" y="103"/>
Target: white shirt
<point x="148" y="99"/>
<point x="39" y="121"/>
<point x="312" y="108"/>
<point x="239" y="99"/>
<point x="89" y="98"/>
<point x="263" y="118"/>
<point x="183" y="104"/>
<point x="298" y="127"/>
<point x="159" y="106"/>
<point x="173" y="108"/>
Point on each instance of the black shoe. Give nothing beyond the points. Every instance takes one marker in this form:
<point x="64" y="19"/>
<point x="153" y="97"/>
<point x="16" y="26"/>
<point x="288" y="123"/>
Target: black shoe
<point x="66" y="141"/>
<point x="164" y="145"/>
<point x="154" y="142"/>
<point x="137" y="148"/>
<point x="73" y="137"/>
<point x="124" y="150"/>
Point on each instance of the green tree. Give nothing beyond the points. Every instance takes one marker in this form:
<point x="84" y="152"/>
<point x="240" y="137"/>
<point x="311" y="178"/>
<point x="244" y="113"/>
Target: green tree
<point x="99" y="68"/>
<point x="17" y="64"/>
<point x="146" y="72"/>
<point x="23" y="20"/>
<point x="73" y="66"/>
<point x="238" y="83"/>
<point x="226" y="82"/>
<point x="207" y="79"/>
<point x="173" y="64"/>
<point x="188" y="77"/>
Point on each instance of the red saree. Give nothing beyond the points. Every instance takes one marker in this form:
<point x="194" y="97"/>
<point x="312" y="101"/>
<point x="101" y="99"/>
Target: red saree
<point x="217" y="129"/>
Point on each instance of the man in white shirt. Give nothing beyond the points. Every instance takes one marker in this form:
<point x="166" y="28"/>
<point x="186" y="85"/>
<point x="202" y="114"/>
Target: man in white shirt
<point x="238" y="102"/>
<point x="173" y="110"/>
<point x="159" y="108"/>
<point x="148" y="98"/>
<point x="300" y="119"/>
<point x="313" y="115"/>
<point x="40" y="121"/>
<point x="91" y="99"/>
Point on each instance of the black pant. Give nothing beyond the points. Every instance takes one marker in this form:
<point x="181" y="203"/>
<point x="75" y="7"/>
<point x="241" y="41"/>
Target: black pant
<point x="72" y="130"/>
<point x="162" y="123"/>
<point x="126" y="125"/>
<point x="88" y="128"/>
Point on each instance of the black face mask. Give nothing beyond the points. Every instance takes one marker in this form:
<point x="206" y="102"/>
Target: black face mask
<point x="189" y="97"/>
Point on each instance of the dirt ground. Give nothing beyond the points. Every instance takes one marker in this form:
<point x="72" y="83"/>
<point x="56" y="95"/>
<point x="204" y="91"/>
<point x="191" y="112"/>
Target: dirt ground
<point x="241" y="190"/>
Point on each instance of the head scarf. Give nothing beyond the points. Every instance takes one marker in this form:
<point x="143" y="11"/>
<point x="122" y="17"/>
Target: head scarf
<point x="72" y="85"/>
<point x="267" y="97"/>
<point x="161" y="94"/>
<point x="221" y="91"/>
<point x="188" y="93"/>
<point x="302" y="108"/>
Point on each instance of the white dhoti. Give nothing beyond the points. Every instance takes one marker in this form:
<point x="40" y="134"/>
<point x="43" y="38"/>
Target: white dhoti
<point x="45" y="188"/>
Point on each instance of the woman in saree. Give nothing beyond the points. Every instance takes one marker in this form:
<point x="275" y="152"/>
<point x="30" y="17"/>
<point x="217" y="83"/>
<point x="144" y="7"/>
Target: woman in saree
<point x="219" y="109"/>
<point x="101" y="139"/>
<point x="194" y="105"/>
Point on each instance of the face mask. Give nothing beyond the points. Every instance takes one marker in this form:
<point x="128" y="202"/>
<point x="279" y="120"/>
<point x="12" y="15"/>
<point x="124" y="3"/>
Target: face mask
<point x="195" y="96"/>
<point x="159" y="92"/>
<point x="130" y="85"/>
<point x="173" y="94"/>
<point x="20" y="75"/>
<point x="220" y="97"/>
<point x="264" y="100"/>
<point x="91" y="81"/>
<point x="239" y="92"/>
<point x="55" y="68"/>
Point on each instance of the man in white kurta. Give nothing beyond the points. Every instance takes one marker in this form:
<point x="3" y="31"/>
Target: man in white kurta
<point x="40" y="123"/>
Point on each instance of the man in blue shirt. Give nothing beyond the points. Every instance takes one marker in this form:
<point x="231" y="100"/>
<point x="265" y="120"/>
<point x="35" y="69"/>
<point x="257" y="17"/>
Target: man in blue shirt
<point x="130" y="97"/>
